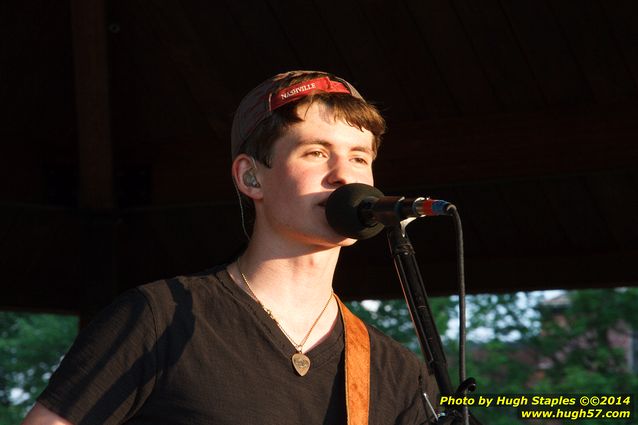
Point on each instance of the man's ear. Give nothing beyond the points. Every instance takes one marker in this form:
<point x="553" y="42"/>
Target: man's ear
<point x="246" y="173"/>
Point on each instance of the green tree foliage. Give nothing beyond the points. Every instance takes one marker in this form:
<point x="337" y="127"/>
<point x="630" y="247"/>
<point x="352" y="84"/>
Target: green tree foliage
<point x="518" y="344"/>
<point x="31" y="346"/>
<point x="579" y="343"/>
<point x="393" y="318"/>
<point x="500" y="328"/>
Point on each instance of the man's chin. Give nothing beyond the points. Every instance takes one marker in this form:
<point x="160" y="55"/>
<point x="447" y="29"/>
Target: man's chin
<point x="337" y="242"/>
<point x="347" y="242"/>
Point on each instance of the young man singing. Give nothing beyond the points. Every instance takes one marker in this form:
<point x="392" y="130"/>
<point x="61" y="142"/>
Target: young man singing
<point x="263" y="340"/>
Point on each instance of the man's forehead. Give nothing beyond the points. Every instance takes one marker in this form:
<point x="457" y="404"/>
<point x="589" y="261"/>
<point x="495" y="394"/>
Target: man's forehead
<point x="318" y="108"/>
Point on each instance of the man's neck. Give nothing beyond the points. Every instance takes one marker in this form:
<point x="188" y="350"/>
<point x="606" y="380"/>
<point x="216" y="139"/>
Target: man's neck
<point x="294" y="284"/>
<point x="292" y="279"/>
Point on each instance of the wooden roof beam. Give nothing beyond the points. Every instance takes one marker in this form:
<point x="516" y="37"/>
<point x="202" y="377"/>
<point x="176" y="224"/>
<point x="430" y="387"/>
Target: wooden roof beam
<point x="98" y="274"/>
<point x="88" y="20"/>
<point x="570" y="141"/>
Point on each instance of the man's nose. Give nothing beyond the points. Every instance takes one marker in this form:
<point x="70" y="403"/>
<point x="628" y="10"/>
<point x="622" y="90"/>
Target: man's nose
<point x="340" y="172"/>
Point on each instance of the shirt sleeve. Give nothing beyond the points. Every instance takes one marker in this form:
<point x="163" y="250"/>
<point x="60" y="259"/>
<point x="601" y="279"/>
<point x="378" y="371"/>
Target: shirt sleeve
<point x="111" y="368"/>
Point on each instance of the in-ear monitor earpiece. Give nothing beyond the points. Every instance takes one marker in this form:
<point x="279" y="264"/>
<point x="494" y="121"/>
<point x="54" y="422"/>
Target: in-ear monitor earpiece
<point x="250" y="180"/>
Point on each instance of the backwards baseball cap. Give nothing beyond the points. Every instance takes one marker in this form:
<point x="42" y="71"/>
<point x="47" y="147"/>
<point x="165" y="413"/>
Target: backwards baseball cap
<point x="261" y="101"/>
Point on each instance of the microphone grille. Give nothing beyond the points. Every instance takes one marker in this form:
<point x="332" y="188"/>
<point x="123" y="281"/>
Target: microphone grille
<point x="342" y="211"/>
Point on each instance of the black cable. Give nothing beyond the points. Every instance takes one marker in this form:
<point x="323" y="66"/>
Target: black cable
<point x="451" y="210"/>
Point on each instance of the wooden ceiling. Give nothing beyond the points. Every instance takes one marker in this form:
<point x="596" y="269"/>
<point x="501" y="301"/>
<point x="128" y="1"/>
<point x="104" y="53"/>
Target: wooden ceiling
<point x="116" y="118"/>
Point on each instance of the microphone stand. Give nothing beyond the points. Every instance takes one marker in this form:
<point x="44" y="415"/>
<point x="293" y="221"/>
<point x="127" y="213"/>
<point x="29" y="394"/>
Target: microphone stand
<point x="411" y="281"/>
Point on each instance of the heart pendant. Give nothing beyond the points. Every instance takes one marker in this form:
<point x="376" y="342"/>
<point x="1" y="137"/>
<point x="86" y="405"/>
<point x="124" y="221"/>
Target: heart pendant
<point x="301" y="363"/>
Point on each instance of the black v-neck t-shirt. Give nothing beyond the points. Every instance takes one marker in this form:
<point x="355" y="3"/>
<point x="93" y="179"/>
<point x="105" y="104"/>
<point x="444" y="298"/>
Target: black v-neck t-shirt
<point x="199" y="350"/>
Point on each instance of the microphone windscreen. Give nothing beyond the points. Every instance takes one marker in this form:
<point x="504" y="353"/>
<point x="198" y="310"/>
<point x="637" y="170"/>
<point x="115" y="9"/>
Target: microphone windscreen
<point x="342" y="211"/>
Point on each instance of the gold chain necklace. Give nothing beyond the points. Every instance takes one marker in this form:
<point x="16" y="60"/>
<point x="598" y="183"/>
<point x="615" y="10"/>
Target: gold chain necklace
<point x="300" y="361"/>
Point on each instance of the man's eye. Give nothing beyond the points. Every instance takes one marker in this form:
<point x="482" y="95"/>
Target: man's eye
<point x="360" y="160"/>
<point x="317" y="154"/>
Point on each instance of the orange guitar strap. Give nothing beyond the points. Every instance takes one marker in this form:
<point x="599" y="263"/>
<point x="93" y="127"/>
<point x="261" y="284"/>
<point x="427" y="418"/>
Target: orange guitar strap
<point x="357" y="363"/>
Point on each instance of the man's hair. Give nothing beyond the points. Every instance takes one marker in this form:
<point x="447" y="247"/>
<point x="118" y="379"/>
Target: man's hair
<point x="353" y="110"/>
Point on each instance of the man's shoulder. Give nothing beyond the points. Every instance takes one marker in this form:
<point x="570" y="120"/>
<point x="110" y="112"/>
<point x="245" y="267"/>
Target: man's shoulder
<point x="381" y="341"/>
<point x="175" y="286"/>
<point x="392" y="356"/>
<point x="181" y="290"/>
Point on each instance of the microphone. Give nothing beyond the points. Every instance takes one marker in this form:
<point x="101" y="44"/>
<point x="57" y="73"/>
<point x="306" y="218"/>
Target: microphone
<point x="360" y="211"/>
